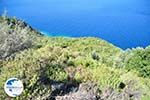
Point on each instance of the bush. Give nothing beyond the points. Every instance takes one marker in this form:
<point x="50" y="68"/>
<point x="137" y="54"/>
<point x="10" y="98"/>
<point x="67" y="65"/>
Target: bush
<point x="13" y="38"/>
<point x="139" y="59"/>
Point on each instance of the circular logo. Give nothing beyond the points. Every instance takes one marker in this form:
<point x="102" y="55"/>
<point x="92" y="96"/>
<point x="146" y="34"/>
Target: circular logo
<point x="13" y="87"/>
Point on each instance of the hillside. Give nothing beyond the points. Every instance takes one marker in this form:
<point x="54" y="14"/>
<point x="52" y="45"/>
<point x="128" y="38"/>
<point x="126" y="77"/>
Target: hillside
<point x="59" y="68"/>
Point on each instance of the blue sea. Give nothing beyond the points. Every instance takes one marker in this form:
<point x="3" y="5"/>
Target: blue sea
<point x="124" y="23"/>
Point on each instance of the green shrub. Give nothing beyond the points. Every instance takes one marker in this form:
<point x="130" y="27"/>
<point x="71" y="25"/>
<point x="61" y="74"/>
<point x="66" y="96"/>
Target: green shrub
<point x="139" y="59"/>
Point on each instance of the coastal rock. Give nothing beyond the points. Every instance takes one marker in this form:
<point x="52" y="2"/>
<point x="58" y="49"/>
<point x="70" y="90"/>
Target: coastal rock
<point x="86" y="91"/>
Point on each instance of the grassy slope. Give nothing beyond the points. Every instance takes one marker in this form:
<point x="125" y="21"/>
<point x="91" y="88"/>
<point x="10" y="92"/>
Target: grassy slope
<point x="91" y="59"/>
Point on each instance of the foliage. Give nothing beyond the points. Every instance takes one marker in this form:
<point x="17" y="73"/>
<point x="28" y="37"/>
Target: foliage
<point x="13" y="38"/>
<point x="139" y="59"/>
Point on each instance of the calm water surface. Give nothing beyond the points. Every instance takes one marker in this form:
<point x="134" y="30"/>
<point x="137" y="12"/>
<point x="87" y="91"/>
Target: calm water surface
<point x="125" y="23"/>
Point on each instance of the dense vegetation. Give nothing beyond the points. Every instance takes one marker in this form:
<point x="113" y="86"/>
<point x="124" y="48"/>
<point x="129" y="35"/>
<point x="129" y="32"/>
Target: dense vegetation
<point x="44" y="63"/>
